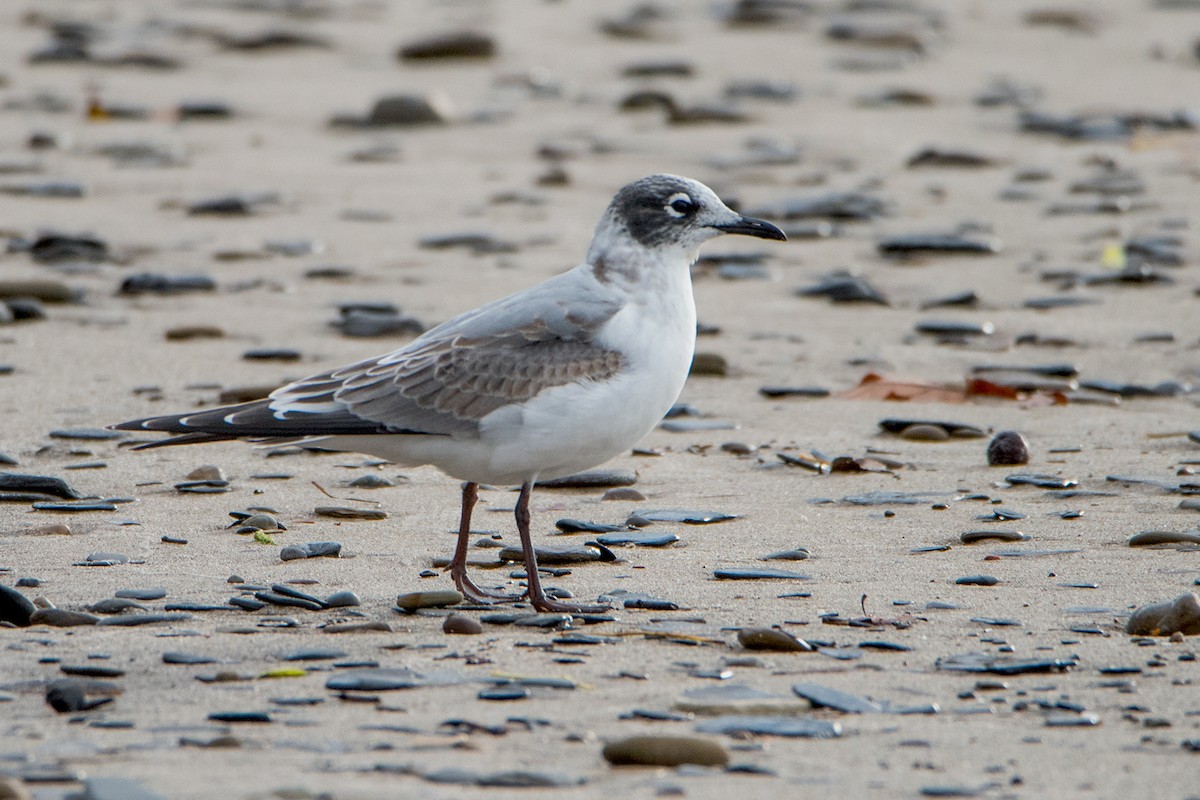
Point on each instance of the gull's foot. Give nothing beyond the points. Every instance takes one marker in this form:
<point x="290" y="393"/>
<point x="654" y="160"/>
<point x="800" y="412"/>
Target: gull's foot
<point x="552" y="606"/>
<point x="477" y="594"/>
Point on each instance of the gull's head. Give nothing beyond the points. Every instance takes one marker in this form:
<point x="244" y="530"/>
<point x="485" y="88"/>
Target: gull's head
<point x="669" y="213"/>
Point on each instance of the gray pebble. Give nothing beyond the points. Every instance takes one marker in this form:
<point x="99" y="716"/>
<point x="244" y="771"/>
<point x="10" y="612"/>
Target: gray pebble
<point x="311" y="550"/>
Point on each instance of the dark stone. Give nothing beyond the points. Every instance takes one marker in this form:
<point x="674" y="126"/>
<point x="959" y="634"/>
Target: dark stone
<point x="15" y="607"/>
<point x="40" y="484"/>
<point x="157" y="283"/>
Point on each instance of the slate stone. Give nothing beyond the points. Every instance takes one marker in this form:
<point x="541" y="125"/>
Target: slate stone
<point x="755" y="573"/>
<point x="787" y="726"/>
<point x="15" y="607"/>
<point x="824" y="696"/>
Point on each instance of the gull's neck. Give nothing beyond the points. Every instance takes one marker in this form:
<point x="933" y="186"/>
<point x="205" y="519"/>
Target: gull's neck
<point x="617" y="259"/>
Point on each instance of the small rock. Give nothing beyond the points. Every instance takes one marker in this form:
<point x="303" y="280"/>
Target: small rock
<point x="463" y="44"/>
<point x="1007" y="448"/>
<point x="772" y="639"/>
<point x="343" y="599"/>
<point x="311" y="550"/>
<point x="666" y="751"/>
<point x="15" y="607"/>
<point x="712" y="364"/>
<point x="922" y="432"/>
<point x="207" y="472"/>
<point x="341" y="512"/>
<point x="1181" y="615"/>
<point x="461" y="624"/>
<point x="439" y="598"/>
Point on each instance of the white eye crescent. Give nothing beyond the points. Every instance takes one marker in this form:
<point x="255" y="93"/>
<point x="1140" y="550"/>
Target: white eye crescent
<point x="680" y="205"/>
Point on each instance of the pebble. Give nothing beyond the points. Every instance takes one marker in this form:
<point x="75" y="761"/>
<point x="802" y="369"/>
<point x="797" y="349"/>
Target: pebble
<point x="665" y="751"/>
<point x="772" y="639"/>
<point x="1007" y="448"/>
<point x="504" y="693"/>
<point x="842" y="287"/>
<point x="158" y="283"/>
<point x="624" y="494"/>
<point x="343" y="599"/>
<point x="957" y="430"/>
<point x="977" y="580"/>
<point x="751" y="574"/>
<point x="77" y="506"/>
<point x="642" y="518"/>
<point x="793" y="391"/>
<point x="1152" y="538"/>
<point x="311" y="550"/>
<point x="240" y="717"/>
<point x="402" y="110"/>
<point x="804" y="727"/>
<point x="15" y="607"/>
<point x="439" y="598"/>
<point x="568" y="525"/>
<point x="383" y="679"/>
<point x="798" y="554"/>
<point x="115" y="605"/>
<point x="188" y="659"/>
<point x="1002" y="665"/>
<point x="461" y="624"/>
<point x="141" y="594"/>
<point x="365" y="323"/>
<point x="341" y="512"/>
<point x="592" y="479"/>
<point x="68" y="697"/>
<point x="457" y="45"/>
<point x="1180" y="615"/>
<point x="133" y="620"/>
<point x="946" y="328"/>
<point x="637" y="539"/>
<point x="278" y="599"/>
<point x="371" y="481"/>
<point x="555" y="555"/>
<point x="908" y="245"/>
<point x="973" y="537"/>
<point x="39" y="484"/>
<point x="826" y="697"/>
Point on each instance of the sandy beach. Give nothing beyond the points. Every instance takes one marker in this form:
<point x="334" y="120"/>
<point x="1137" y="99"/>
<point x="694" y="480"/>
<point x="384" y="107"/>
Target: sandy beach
<point x="1012" y="185"/>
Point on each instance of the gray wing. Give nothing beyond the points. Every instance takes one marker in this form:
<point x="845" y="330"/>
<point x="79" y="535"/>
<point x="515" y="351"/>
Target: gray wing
<point x="459" y="372"/>
<point x="443" y="382"/>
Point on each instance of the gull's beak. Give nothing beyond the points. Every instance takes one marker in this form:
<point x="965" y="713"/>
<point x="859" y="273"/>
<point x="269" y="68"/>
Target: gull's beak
<point x="749" y="226"/>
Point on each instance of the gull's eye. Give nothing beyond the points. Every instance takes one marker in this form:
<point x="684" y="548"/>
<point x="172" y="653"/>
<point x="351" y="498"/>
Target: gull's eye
<point x="680" y="205"/>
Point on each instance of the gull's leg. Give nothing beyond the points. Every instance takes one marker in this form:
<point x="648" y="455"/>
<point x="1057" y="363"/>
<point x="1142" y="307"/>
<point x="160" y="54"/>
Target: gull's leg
<point x="458" y="565"/>
<point x="537" y="596"/>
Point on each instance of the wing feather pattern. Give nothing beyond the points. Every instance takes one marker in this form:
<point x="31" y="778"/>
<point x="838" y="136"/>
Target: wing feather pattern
<point x="443" y="382"/>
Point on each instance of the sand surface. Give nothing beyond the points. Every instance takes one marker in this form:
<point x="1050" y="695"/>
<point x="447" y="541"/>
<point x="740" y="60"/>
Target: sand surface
<point x="556" y="82"/>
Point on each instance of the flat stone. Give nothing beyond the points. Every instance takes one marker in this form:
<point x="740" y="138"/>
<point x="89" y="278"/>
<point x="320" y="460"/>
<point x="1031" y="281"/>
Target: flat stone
<point x="772" y="726"/>
<point x="666" y="751"/>
<point x="141" y="594"/>
<point x="772" y="639"/>
<point x="61" y="618"/>
<point x="340" y="512"/>
<point x="133" y="620"/>
<point x="755" y="573"/>
<point x="15" y="607"/>
<point x="311" y="550"/>
<point x="38" y="484"/>
<point x="439" y="598"/>
<point x="826" y="697"/>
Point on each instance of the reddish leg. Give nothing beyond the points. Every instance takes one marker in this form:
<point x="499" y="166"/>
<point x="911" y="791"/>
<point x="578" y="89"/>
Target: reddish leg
<point x="458" y="565"/>
<point x="537" y="595"/>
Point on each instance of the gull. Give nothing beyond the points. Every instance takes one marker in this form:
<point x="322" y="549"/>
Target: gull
<point x="544" y="383"/>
